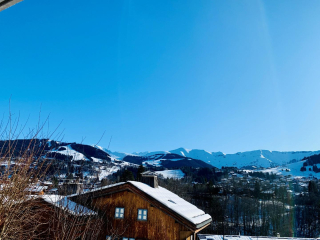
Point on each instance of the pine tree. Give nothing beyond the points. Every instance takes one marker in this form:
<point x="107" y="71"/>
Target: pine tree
<point x="141" y="169"/>
<point x="127" y="175"/>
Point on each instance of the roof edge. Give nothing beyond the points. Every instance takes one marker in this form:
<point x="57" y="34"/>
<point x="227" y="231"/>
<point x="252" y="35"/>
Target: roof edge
<point x="200" y="225"/>
<point x="8" y="3"/>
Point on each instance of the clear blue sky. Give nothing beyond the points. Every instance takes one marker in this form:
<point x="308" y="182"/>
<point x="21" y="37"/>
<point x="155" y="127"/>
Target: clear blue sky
<point x="157" y="75"/>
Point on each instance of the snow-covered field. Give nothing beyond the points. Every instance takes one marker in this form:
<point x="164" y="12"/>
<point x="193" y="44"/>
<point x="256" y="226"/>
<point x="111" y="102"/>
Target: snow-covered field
<point x="293" y="169"/>
<point x="156" y="163"/>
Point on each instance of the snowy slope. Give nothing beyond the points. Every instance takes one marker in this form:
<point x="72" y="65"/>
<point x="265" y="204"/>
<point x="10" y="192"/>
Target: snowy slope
<point x="114" y="155"/>
<point x="293" y="169"/>
<point x="67" y="150"/>
<point x="150" y="153"/>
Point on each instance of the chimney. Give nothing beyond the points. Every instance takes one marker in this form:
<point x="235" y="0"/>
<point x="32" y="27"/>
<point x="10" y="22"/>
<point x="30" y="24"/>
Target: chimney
<point x="150" y="178"/>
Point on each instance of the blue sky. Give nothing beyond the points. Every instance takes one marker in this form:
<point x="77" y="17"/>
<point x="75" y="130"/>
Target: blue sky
<point x="157" y="75"/>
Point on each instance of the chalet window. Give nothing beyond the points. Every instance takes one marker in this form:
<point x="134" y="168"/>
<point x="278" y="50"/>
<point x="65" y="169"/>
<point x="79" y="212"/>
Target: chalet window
<point x="119" y="213"/>
<point x="142" y="214"/>
<point x="131" y="238"/>
<point x="124" y="238"/>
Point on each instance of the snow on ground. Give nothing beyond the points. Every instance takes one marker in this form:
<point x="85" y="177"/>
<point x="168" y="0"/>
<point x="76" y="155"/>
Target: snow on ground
<point x="97" y="160"/>
<point x="107" y="172"/>
<point x="292" y="169"/>
<point x="149" y="153"/>
<point x="156" y="163"/>
<point x="70" y="152"/>
<point x="178" y="174"/>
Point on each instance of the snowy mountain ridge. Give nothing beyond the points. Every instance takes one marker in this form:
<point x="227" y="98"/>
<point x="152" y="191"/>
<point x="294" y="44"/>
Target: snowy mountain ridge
<point x="255" y="159"/>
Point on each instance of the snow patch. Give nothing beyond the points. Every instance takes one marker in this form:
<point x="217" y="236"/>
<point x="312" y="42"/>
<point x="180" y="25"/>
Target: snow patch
<point x="67" y="150"/>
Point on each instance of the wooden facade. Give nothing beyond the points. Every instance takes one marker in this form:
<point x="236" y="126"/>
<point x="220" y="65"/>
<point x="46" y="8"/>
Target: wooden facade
<point x="161" y="223"/>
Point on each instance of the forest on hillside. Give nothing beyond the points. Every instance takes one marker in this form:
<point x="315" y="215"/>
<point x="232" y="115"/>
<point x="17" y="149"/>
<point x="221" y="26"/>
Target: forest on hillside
<point x="256" y="214"/>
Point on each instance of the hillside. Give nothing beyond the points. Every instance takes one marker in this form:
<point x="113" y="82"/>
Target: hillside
<point x="167" y="160"/>
<point x="307" y="167"/>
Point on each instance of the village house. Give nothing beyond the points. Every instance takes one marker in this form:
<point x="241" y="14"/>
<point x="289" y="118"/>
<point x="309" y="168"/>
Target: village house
<point x="136" y="210"/>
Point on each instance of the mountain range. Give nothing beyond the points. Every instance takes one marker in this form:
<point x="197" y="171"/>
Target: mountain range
<point x="93" y="161"/>
<point x="249" y="160"/>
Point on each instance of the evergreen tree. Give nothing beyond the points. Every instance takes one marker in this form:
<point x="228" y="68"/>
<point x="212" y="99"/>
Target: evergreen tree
<point x="70" y="176"/>
<point x="55" y="181"/>
<point x="127" y="175"/>
<point x="257" y="189"/>
<point x="312" y="187"/>
<point x="141" y="169"/>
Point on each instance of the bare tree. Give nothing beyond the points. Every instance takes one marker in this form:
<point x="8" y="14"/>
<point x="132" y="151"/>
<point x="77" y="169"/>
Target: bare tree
<point x="24" y="215"/>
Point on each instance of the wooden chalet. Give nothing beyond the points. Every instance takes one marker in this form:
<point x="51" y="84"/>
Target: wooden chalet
<point x="135" y="210"/>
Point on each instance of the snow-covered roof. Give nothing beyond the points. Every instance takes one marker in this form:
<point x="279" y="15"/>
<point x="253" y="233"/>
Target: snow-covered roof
<point x="99" y="189"/>
<point x="66" y="204"/>
<point x="36" y="188"/>
<point x="175" y="203"/>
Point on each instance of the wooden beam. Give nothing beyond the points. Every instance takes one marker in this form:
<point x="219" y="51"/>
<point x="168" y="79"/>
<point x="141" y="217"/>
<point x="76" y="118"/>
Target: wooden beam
<point x="198" y="230"/>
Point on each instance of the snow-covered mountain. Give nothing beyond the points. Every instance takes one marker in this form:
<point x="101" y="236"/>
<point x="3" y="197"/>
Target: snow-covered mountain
<point x="93" y="161"/>
<point x="166" y="160"/>
<point x="256" y="158"/>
